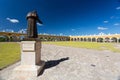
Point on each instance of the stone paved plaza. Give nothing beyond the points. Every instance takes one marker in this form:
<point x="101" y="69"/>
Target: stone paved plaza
<point x="67" y="63"/>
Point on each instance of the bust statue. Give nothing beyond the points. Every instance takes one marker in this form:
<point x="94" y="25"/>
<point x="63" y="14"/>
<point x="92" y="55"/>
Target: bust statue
<point x="32" y="19"/>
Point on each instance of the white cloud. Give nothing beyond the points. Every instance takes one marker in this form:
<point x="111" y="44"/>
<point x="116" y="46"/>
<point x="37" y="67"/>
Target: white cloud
<point x="116" y="24"/>
<point x="72" y="29"/>
<point x="7" y="30"/>
<point x="101" y="33"/>
<point x="102" y="28"/>
<point x="2" y="30"/>
<point x="12" y="20"/>
<point x="105" y="21"/>
<point x="39" y="24"/>
<point x="22" y="31"/>
<point x="118" y="8"/>
<point x="61" y="34"/>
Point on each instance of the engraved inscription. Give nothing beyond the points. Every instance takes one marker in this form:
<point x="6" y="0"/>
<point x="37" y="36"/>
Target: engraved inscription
<point x="28" y="47"/>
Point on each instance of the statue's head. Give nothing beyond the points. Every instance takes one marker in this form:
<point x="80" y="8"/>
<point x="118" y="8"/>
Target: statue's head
<point x="32" y="14"/>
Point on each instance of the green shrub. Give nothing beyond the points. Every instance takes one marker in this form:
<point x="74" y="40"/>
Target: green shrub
<point x="2" y="39"/>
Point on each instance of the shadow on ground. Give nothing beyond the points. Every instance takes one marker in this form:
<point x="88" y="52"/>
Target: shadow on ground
<point x="52" y="63"/>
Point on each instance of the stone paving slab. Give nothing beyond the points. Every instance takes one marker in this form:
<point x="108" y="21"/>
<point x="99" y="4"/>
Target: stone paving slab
<point x="67" y="63"/>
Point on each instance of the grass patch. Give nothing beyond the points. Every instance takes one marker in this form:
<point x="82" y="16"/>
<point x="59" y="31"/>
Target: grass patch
<point x="88" y="45"/>
<point x="9" y="53"/>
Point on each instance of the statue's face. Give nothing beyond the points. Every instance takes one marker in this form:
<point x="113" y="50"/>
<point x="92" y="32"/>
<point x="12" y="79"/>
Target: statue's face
<point x="33" y="14"/>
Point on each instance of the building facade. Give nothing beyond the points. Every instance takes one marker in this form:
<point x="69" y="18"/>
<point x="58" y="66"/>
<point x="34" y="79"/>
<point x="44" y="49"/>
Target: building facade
<point x="90" y="38"/>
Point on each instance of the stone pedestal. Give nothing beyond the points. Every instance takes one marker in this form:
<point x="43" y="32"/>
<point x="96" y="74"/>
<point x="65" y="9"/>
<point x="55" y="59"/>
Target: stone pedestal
<point x="31" y="63"/>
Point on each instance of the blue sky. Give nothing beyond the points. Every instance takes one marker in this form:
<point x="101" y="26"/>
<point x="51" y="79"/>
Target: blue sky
<point x="62" y="17"/>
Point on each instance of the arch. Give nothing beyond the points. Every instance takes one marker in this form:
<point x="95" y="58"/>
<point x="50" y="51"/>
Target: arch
<point x="49" y="39"/>
<point x="55" y="38"/>
<point x="89" y="39"/>
<point x="4" y="38"/>
<point x="52" y="38"/>
<point x="13" y="38"/>
<point x="107" y="39"/>
<point x="99" y="39"/>
<point x="59" y="39"/>
<point x="114" y="39"/>
<point x="64" y="39"/>
<point x="93" y="39"/>
<point x="85" y="39"/>
<point x="74" y="39"/>
<point x="41" y="38"/>
<point x="78" y="39"/>
<point x="67" y="38"/>
<point x="21" y="37"/>
<point x="71" y="39"/>
<point x="45" y="38"/>
<point x="81" y="39"/>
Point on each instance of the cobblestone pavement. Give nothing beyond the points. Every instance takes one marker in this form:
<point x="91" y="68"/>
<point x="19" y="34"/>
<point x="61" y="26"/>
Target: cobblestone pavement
<point x="67" y="63"/>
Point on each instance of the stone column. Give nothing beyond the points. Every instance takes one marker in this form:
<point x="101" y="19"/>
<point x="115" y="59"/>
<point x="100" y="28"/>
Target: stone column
<point x="104" y="40"/>
<point x="117" y="40"/>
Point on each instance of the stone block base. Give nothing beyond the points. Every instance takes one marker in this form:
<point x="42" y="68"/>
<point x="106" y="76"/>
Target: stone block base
<point x="26" y="72"/>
